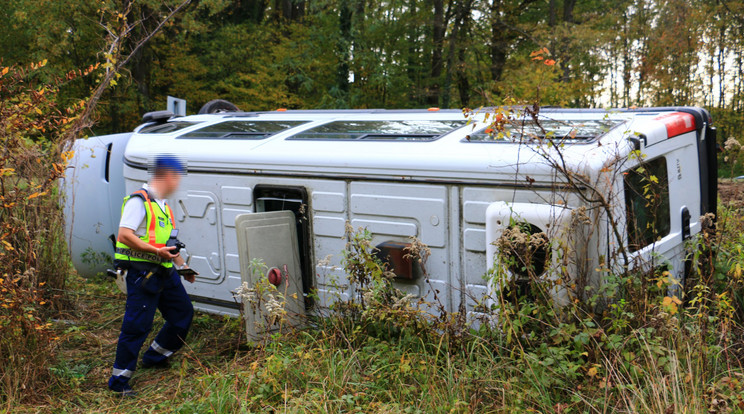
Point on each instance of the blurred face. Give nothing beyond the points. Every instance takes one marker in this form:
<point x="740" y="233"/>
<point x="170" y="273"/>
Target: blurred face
<point x="168" y="182"/>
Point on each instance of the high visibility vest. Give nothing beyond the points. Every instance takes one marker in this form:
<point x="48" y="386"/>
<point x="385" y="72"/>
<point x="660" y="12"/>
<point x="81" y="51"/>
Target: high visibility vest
<point x="158" y="224"/>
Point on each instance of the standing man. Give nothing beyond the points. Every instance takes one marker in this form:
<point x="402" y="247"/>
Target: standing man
<point x="151" y="275"/>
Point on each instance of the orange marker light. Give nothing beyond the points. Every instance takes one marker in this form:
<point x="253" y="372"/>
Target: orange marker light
<point x="433" y="109"/>
<point x="282" y="110"/>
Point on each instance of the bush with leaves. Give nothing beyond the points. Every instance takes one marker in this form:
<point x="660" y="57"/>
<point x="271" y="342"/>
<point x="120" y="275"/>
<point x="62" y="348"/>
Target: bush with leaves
<point x="33" y="256"/>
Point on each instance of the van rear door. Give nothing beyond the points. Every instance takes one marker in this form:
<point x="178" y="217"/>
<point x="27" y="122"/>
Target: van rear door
<point x="93" y="189"/>
<point x="662" y="202"/>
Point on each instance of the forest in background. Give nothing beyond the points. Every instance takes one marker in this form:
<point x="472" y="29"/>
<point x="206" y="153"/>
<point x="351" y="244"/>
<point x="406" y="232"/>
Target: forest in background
<point x="74" y="68"/>
<point x="267" y="54"/>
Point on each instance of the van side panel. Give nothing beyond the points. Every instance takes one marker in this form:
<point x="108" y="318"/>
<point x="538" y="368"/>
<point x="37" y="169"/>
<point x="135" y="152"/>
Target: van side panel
<point x="398" y="212"/>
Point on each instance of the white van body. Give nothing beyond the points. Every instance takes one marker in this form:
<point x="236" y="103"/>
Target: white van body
<point x="455" y="189"/>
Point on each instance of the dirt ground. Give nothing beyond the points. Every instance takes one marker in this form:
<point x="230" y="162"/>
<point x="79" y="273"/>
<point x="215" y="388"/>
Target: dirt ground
<point x="731" y="192"/>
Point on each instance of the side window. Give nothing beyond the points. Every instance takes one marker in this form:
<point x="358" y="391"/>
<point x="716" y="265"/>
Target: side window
<point x="647" y="203"/>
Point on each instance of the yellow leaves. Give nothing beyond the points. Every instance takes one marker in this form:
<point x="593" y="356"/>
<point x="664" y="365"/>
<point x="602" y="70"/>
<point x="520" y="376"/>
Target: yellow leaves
<point x="4" y="71"/>
<point x="593" y="371"/>
<point x="67" y="156"/>
<point x="537" y="55"/>
<point x="405" y="365"/>
<point x="736" y="271"/>
<point x="38" y="65"/>
<point x="36" y="194"/>
<point x="666" y="278"/>
<point x="7" y="245"/>
<point x="7" y="172"/>
<point x="671" y="304"/>
<point x="668" y="300"/>
<point x="59" y="168"/>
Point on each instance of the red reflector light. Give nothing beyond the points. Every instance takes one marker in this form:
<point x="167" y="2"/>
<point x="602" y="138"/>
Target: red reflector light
<point x="397" y="258"/>
<point x="677" y="123"/>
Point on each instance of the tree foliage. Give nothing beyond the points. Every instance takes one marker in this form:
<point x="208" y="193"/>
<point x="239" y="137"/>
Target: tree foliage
<point x="398" y="53"/>
<point x="264" y="55"/>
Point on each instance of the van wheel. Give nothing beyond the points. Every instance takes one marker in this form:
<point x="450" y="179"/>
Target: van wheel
<point x="218" y="105"/>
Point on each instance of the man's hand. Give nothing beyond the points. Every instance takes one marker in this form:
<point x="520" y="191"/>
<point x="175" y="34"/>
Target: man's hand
<point x="189" y="278"/>
<point x="165" y="252"/>
<point x="128" y="237"/>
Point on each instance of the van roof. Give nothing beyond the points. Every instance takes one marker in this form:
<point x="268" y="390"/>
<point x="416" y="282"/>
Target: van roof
<point x="428" y="144"/>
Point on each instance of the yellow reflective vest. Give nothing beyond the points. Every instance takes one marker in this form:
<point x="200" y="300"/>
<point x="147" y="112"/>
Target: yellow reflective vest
<point x="158" y="224"/>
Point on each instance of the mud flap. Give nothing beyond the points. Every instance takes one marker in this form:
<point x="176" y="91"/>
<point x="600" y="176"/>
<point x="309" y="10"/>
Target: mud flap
<point x="270" y="267"/>
<point x="121" y="280"/>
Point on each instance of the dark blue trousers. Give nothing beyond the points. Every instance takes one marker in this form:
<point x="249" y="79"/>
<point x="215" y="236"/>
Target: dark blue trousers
<point x="162" y="291"/>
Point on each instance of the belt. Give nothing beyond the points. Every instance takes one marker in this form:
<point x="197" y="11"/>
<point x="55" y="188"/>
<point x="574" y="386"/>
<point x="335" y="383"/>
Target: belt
<point x="136" y="254"/>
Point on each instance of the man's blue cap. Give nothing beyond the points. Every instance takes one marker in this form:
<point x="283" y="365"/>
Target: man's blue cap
<point x="167" y="162"/>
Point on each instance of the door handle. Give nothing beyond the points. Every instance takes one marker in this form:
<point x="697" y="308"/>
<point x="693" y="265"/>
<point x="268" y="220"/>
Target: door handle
<point x="685" y="223"/>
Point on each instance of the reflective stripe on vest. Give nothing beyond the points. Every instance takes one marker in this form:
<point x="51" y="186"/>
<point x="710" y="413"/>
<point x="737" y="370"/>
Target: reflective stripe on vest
<point x="155" y="235"/>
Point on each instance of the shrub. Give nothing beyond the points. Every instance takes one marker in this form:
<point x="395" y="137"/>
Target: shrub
<point x="33" y="256"/>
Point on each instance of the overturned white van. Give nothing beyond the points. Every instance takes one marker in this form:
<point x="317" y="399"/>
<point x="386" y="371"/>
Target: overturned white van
<point x="455" y="182"/>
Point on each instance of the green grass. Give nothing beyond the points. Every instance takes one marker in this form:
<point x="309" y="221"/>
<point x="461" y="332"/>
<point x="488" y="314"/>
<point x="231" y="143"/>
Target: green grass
<point x="643" y="355"/>
<point x="317" y="370"/>
<point x="306" y="371"/>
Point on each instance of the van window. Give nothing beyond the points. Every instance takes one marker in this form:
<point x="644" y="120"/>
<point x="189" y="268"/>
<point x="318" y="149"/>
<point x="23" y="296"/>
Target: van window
<point x="647" y="203"/>
<point x="253" y="129"/>
<point x="380" y="130"/>
<point x="167" y="127"/>
<point x="573" y="130"/>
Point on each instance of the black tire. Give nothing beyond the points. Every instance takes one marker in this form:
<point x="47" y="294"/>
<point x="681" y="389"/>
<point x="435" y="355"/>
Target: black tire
<point x="218" y="105"/>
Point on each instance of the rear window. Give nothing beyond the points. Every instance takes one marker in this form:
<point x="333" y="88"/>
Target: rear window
<point x="647" y="203"/>
<point x="421" y="131"/>
<point x="560" y="130"/>
<point x="166" y="127"/>
<point x="253" y="129"/>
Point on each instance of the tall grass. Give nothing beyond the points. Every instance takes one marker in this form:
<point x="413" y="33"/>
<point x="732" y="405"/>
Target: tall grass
<point x="591" y="363"/>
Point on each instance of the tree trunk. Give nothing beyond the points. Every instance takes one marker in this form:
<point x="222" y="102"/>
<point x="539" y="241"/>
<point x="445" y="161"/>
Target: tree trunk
<point x="438" y="31"/>
<point x="499" y="41"/>
<point x="462" y="19"/>
<point x="412" y="67"/>
<point x="568" y="10"/>
<point x="463" y="83"/>
<point x="722" y="68"/>
<point x="291" y="10"/>
<point x="246" y="10"/>
<point x="342" y="48"/>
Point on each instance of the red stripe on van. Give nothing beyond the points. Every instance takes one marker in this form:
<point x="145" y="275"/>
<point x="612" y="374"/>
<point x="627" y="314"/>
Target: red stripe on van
<point x="677" y="123"/>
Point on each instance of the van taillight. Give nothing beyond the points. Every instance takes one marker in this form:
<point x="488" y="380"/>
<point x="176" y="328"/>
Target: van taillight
<point x="397" y="257"/>
<point x="677" y="123"/>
